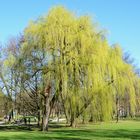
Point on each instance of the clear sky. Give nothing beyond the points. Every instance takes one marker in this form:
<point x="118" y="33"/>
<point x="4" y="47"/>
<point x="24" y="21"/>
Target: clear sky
<point x="120" y="17"/>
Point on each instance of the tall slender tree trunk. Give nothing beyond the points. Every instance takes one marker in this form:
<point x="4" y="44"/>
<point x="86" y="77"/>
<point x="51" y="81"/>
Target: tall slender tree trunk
<point x="117" y="109"/>
<point x="72" y="121"/>
<point x="38" y="117"/>
<point x="46" y="114"/>
<point x="47" y="108"/>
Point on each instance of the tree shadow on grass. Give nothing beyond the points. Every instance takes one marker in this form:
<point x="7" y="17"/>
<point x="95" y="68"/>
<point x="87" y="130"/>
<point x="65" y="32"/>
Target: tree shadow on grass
<point x="15" y="128"/>
<point x="56" y="125"/>
<point x="102" y="133"/>
<point x="68" y="134"/>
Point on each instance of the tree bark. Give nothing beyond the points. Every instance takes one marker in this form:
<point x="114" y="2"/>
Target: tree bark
<point x="46" y="114"/>
<point x="117" y="109"/>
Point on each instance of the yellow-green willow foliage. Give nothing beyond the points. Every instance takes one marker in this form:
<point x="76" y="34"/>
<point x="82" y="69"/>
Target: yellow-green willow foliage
<point x="124" y="78"/>
<point x="88" y="75"/>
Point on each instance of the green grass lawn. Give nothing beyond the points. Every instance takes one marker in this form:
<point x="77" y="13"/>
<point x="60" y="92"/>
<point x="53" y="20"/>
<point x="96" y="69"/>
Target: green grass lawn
<point x="124" y="130"/>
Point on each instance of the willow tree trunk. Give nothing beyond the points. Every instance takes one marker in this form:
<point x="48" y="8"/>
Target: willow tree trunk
<point x="46" y="114"/>
<point x="117" y="109"/>
<point x="47" y="109"/>
<point x="38" y="117"/>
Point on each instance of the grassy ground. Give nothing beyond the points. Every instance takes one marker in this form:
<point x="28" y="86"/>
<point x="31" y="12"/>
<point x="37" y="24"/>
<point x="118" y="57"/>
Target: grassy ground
<point x="125" y="130"/>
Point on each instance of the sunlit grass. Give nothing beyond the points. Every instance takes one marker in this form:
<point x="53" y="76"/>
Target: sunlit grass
<point x="102" y="131"/>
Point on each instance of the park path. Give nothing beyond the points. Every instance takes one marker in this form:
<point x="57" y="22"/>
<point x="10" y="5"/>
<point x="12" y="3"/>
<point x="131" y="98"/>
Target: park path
<point x="1" y="122"/>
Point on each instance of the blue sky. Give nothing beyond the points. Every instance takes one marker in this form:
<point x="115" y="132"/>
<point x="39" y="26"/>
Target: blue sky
<point x="120" y="17"/>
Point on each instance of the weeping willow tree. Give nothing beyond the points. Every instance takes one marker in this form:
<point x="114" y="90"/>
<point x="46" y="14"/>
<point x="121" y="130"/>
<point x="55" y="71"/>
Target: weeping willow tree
<point x="79" y="68"/>
<point x="124" y="81"/>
